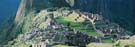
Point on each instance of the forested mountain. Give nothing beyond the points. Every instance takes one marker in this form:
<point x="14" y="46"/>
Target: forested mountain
<point x="71" y="22"/>
<point x="119" y="11"/>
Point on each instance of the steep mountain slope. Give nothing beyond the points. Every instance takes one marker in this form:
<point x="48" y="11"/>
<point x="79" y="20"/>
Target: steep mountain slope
<point x="63" y="26"/>
<point x="54" y="22"/>
<point x="119" y="11"/>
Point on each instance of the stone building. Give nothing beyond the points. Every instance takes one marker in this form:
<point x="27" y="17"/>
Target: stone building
<point x="42" y="44"/>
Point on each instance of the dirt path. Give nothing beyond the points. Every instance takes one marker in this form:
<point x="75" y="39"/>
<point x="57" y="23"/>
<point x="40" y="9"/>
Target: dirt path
<point x="20" y="10"/>
<point x="102" y="44"/>
<point x="90" y="20"/>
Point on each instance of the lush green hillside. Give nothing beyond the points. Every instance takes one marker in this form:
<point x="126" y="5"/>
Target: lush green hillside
<point x="63" y="23"/>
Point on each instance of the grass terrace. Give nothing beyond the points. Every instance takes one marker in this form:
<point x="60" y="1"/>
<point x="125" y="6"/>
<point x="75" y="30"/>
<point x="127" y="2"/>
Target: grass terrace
<point x="107" y="41"/>
<point x="77" y="24"/>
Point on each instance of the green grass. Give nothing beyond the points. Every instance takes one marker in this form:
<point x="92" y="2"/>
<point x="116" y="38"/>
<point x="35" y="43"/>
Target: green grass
<point x="93" y="33"/>
<point x="61" y="20"/>
<point x="62" y="46"/>
<point x="88" y="31"/>
<point x="122" y="43"/>
<point x="107" y="41"/>
<point x="78" y="26"/>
